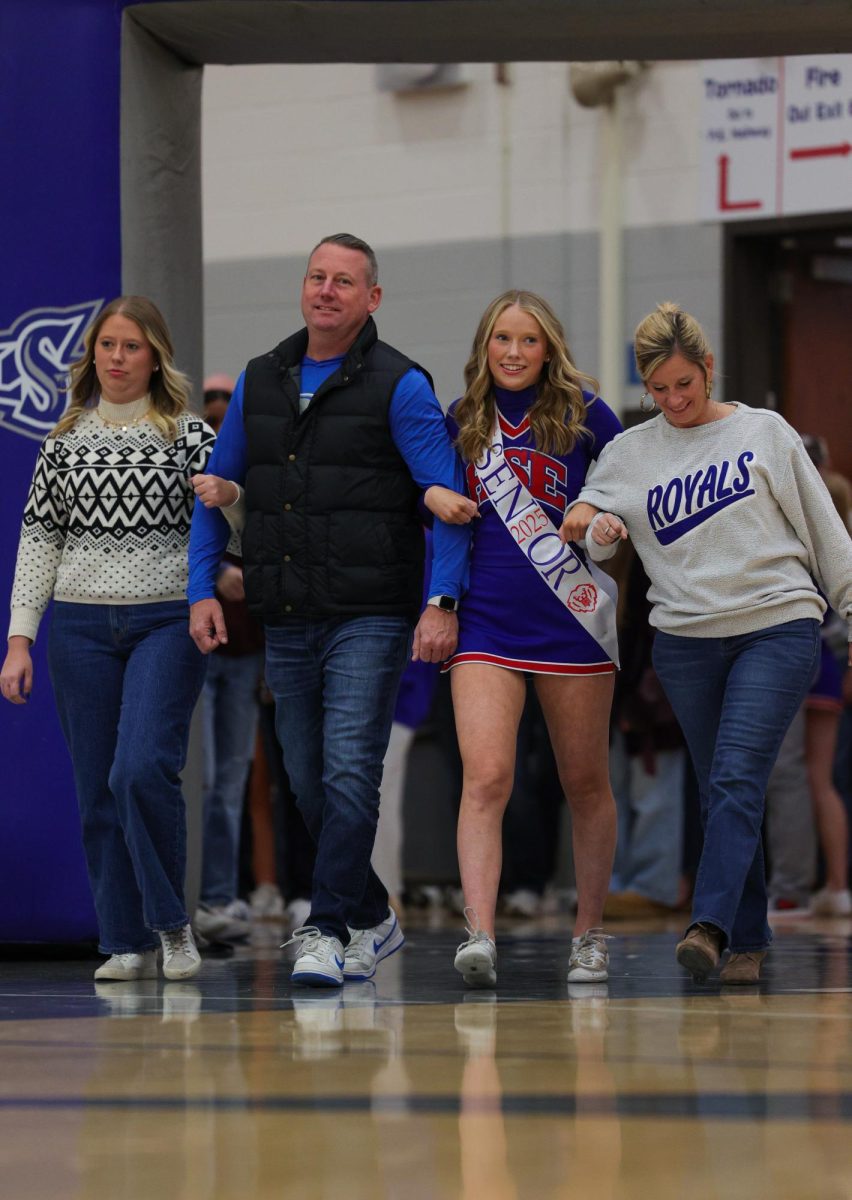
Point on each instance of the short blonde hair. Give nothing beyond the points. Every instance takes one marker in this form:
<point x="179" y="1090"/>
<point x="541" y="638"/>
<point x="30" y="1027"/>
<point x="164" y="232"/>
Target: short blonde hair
<point x="666" y="331"/>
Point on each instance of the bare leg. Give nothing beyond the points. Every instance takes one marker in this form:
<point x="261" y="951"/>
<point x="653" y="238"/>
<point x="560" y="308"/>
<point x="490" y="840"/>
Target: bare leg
<point x="488" y="702"/>
<point x="821" y="727"/>
<point x="576" y="708"/>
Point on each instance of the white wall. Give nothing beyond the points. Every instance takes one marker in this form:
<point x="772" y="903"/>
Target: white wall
<point x="291" y="153"/>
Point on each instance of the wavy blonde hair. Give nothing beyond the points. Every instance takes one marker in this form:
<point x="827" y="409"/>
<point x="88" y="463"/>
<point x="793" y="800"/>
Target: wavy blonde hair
<point x="558" y="414"/>
<point x="666" y="331"/>
<point x="169" y="387"/>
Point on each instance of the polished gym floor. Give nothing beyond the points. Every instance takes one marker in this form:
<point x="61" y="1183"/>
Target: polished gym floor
<point x="235" y="1086"/>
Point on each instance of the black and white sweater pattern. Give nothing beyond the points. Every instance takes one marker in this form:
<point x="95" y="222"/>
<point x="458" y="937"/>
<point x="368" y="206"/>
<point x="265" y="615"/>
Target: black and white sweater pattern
<point x="107" y="517"/>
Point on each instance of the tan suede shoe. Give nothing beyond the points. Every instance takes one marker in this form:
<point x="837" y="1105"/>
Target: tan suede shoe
<point x="743" y="968"/>
<point x="700" y="949"/>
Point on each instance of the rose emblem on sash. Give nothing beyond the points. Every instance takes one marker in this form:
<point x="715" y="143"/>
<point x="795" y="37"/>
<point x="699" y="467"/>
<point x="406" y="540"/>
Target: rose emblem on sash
<point x="583" y="598"/>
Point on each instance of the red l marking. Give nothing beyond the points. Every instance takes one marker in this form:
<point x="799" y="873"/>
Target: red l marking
<point x="726" y="205"/>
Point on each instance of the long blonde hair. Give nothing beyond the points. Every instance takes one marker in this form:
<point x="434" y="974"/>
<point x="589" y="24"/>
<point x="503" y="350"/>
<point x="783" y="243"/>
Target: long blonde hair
<point x="666" y="331"/>
<point x="168" y="386"/>
<point x="558" y="414"/>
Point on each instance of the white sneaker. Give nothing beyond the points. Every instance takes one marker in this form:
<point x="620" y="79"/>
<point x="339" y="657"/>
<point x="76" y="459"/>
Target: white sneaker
<point x="297" y="912"/>
<point x="522" y="903"/>
<point x="476" y="959"/>
<point x="180" y="953"/>
<point x="240" y="910"/>
<point x="320" y="959"/>
<point x="217" y="924"/>
<point x="266" y="901"/>
<point x="828" y="903"/>
<point x="589" y="961"/>
<point x="367" y="947"/>
<point x="128" y="966"/>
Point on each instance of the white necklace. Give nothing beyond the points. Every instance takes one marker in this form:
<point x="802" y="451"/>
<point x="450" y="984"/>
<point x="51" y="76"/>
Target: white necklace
<point x="115" y="414"/>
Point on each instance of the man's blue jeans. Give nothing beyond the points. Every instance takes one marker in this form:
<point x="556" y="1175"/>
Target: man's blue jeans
<point x="335" y="682"/>
<point x="229" y="707"/>
<point x="126" y="679"/>
<point x="735" y="698"/>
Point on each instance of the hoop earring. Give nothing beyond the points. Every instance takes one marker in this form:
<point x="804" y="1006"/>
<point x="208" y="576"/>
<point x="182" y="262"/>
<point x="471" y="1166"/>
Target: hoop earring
<point x="647" y="408"/>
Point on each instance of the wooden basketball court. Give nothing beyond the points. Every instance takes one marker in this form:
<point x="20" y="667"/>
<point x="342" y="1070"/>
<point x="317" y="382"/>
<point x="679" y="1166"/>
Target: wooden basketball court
<point x="235" y="1086"/>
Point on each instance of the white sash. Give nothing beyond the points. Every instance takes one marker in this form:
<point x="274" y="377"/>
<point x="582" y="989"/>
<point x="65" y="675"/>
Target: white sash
<point x="582" y="591"/>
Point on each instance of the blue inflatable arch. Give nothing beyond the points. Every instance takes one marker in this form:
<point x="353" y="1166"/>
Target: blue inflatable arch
<point x="100" y="112"/>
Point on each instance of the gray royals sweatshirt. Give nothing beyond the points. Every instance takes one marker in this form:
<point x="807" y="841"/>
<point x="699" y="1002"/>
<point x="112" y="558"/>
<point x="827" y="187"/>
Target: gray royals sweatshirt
<point x="732" y="521"/>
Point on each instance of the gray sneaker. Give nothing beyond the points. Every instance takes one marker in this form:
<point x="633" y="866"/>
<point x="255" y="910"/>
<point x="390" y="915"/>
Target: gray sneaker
<point x="476" y="959"/>
<point x="217" y="924"/>
<point x="180" y="954"/>
<point x="589" y="961"/>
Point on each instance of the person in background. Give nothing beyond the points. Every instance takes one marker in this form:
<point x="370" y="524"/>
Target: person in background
<point x="229" y="702"/>
<point x="823" y="712"/>
<point x="527" y="428"/>
<point x="647" y="766"/>
<point x="733" y="525"/>
<point x="334" y="434"/>
<point x="105" y="533"/>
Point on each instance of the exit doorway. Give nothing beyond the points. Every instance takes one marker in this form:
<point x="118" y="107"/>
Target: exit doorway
<point x="788" y="323"/>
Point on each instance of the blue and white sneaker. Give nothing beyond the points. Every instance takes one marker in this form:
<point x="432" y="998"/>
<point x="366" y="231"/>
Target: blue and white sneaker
<point x="367" y="947"/>
<point x="319" y="962"/>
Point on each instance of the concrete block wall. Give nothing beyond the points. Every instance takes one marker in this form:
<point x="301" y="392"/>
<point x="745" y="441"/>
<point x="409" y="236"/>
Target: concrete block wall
<point x="462" y="192"/>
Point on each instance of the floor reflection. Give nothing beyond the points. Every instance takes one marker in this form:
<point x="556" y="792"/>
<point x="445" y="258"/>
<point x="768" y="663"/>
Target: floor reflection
<point x="235" y="1086"/>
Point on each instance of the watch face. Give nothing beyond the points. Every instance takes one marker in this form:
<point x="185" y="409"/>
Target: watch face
<point x="448" y="603"/>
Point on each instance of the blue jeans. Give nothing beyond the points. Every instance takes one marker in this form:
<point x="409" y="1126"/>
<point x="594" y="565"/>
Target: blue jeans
<point x="229" y="707"/>
<point x="335" y="682"/>
<point x="735" y="698"/>
<point x="126" y="678"/>
<point x="649" y="802"/>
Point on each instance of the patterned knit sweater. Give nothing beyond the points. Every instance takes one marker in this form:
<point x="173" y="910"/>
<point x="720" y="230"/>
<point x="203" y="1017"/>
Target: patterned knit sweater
<point x="107" y="517"/>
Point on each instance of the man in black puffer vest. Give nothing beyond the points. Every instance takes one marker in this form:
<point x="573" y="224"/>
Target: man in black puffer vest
<point x="334" y="435"/>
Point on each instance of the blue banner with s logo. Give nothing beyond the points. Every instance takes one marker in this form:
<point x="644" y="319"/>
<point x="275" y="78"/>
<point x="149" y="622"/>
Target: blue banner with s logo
<point x="60" y="216"/>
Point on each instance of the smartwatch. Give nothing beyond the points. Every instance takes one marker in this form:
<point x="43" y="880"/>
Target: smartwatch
<point x="447" y="603"/>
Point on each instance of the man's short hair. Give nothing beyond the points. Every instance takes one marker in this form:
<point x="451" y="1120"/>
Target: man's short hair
<point x="350" y="242"/>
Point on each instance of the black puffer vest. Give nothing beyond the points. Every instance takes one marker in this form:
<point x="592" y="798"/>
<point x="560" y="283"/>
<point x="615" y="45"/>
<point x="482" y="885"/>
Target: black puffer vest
<point x="332" y="527"/>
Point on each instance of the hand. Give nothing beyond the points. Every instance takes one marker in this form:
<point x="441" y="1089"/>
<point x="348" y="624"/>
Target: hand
<point x="16" y="675"/>
<point x="215" y="492"/>
<point x="608" y="528"/>
<point x="207" y="625"/>
<point x="229" y="585"/>
<point x="577" y="519"/>
<point x="436" y="635"/>
<point x="450" y="507"/>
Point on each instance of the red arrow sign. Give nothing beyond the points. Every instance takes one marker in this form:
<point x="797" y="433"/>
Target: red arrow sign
<point x="726" y="205"/>
<point x="842" y="148"/>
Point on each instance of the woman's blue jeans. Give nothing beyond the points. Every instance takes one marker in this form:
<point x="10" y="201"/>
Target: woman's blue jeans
<point x="335" y="682"/>
<point x="735" y="698"/>
<point x="126" y="679"/>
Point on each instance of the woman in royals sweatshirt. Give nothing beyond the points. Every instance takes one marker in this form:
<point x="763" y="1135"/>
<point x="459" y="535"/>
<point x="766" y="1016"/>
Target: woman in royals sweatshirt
<point x="741" y="542"/>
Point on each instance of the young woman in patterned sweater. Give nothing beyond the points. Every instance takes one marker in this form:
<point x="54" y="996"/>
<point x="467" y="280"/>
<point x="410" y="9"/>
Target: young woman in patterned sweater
<point x="105" y="534"/>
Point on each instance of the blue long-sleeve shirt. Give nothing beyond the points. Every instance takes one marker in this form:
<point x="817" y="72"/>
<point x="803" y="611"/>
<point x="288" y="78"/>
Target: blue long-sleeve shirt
<point x="418" y="431"/>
